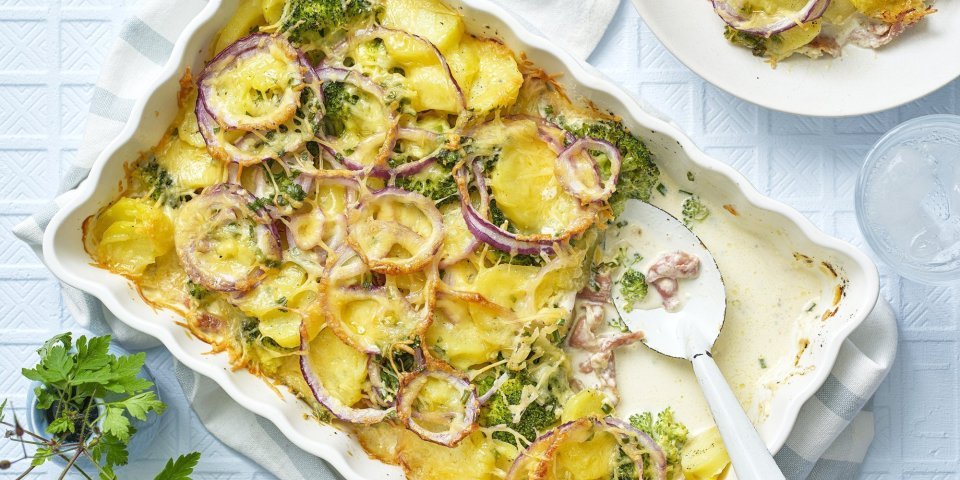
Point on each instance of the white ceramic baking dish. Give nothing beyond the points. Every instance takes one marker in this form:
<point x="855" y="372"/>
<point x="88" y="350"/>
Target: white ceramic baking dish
<point x="676" y="154"/>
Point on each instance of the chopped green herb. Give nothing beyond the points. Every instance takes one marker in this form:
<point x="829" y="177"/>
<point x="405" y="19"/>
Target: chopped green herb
<point x="694" y="211"/>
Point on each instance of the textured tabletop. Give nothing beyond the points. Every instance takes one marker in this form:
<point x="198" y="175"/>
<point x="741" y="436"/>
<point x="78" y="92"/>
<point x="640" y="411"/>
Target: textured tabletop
<point x="50" y="52"/>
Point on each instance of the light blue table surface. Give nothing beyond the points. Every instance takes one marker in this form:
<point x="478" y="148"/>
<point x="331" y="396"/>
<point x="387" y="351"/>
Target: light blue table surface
<point x="50" y="53"/>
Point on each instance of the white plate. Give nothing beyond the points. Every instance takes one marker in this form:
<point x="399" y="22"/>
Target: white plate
<point x="861" y="81"/>
<point x="677" y="155"/>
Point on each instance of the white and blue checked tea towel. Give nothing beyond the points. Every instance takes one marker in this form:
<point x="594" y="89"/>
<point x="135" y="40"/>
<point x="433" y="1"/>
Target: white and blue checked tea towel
<point x="831" y="436"/>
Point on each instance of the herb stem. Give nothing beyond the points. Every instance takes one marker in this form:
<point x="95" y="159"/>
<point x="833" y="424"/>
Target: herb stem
<point x="26" y="472"/>
<point x="31" y="442"/>
<point x="70" y="463"/>
<point x="28" y="432"/>
<point x="103" y="473"/>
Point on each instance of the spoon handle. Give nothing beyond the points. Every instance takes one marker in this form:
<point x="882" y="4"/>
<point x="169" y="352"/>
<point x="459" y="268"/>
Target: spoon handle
<point x="750" y="457"/>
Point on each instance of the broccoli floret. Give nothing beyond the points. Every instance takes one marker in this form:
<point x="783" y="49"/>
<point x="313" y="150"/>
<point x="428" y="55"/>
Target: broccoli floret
<point x="633" y="286"/>
<point x="336" y="106"/>
<point x="448" y="158"/>
<point x="287" y="191"/>
<point x="499" y="256"/>
<point x="537" y="417"/>
<point x="310" y="20"/>
<point x="160" y="184"/>
<point x="755" y="43"/>
<point x="498" y="218"/>
<point x="197" y="291"/>
<point x="670" y="434"/>
<point x="638" y="174"/>
<point x="694" y="210"/>
<point x="436" y="184"/>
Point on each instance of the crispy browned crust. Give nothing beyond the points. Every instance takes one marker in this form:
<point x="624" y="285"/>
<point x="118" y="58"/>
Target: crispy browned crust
<point x="364" y="441"/>
<point x="186" y="86"/>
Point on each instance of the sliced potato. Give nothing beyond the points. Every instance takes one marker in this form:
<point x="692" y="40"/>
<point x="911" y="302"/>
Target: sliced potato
<point x="282" y="301"/>
<point x="791" y="40"/>
<point x="187" y="128"/>
<point x="430" y="19"/>
<point x="525" y="185"/>
<point x="498" y="78"/>
<point x="434" y="89"/>
<point x="473" y="459"/>
<point x="341" y="368"/>
<point x="272" y="10"/>
<point x="490" y="328"/>
<point x="131" y="234"/>
<point x="504" y="284"/>
<point x="704" y="457"/>
<point x="248" y="16"/>
<point x="464" y="62"/>
<point x="839" y="11"/>
<point x="190" y="167"/>
<point x="591" y="458"/>
<point x="585" y="403"/>
<point x="380" y="440"/>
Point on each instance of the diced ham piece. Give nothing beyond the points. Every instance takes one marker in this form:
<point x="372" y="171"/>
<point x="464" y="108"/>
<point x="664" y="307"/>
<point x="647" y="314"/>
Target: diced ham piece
<point x="589" y="316"/>
<point x="664" y="274"/>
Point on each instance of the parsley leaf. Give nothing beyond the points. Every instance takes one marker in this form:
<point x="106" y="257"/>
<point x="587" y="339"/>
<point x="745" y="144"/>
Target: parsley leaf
<point x="179" y="469"/>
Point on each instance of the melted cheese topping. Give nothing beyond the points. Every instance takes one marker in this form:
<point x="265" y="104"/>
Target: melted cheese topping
<point x="258" y="86"/>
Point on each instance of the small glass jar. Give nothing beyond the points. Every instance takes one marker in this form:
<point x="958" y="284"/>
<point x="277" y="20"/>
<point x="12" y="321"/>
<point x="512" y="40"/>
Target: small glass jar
<point x="908" y="199"/>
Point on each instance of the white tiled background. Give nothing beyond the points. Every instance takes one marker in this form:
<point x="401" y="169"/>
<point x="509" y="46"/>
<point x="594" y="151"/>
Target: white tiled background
<point x="50" y="52"/>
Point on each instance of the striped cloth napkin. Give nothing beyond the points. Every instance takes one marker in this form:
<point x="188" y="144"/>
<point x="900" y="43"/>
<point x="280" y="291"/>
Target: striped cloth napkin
<point x="831" y="436"/>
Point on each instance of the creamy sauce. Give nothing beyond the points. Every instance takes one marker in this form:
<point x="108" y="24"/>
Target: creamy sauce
<point x="774" y="303"/>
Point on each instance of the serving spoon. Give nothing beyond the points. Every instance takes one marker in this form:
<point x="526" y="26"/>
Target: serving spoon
<point x="690" y="332"/>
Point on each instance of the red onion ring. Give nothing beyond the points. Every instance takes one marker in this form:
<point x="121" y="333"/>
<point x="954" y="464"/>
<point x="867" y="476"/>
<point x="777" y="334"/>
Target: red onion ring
<point x="407" y="394"/>
<point x="732" y="16"/>
<point x="549" y="132"/>
<point x="379" y="167"/>
<point x="213" y="121"/>
<point x="416" y="166"/>
<point x="240" y="50"/>
<point x="346" y="413"/>
<point x="339" y="52"/>
<point x="484" y="229"/>
<point x="647" y="443"/>
<point x="567" y="167"/>
<point x="363" y="226"/>
<point x="237" y="152"/>
<point x="229" y="203"/>
<point x="450" y="257"/>
<point x="345" y="267"/>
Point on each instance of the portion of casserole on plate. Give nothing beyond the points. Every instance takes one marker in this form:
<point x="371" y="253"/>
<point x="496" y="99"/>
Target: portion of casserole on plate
<point x="414" y="229"/>
<point x="777" y="29"/>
